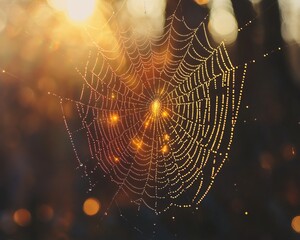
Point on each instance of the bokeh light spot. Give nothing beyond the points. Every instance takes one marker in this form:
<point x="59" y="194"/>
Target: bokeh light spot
<point x="91" y="206"/>
<point x="290" y="20"/>
<point x="296" y="224"/>
<point x="223" y="26"/>
<point x="45" y="212"/>
<point x="201" y="2"/>
<point x="22" y="217"/>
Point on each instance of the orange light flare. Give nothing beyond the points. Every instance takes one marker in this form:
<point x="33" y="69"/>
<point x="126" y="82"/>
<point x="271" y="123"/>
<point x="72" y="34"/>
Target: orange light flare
<point x="156" y="108"/>
<point x="137" y="143"/>
<point x="91" y="206"/>
<point x="166" y="137"/>
<point x="114" y="118"/>
<point x="74" y="16"/>
<point x="165" y="114"/>
<point x="157" y="111"/>
<point x="147" y="123"/>
<point x="116" y="159"/>
<point x="165" y="149"/>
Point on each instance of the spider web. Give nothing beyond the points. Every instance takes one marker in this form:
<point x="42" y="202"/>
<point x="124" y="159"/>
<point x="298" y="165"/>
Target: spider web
<point x="157" y="114"/>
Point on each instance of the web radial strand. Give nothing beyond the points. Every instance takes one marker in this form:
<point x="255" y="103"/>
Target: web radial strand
<point x="156" y="115"/>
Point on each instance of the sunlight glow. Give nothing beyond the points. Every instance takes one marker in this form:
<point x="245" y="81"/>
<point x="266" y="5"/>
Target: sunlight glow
<point x="151" y="8"/>
<point x="147" y="16"/>
<point x="77" y="11"/>
<point x="80" y="10"/>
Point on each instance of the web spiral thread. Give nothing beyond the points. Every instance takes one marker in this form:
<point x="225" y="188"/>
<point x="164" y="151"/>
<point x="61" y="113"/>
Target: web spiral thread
<point x="157" y="114"/>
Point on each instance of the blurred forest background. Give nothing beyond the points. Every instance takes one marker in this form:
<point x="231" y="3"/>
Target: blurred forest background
<point x="42" y="195"/>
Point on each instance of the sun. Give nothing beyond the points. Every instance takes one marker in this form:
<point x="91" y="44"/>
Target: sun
<point x="80" y="10"/>
<point x="77" y="11"/>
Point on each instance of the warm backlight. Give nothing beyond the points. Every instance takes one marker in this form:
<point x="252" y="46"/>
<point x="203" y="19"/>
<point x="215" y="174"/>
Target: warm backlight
<point x="91" y="206"/>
